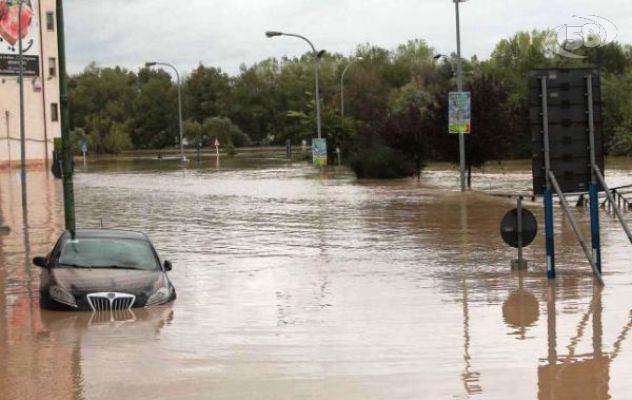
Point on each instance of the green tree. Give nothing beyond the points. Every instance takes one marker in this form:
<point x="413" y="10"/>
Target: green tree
<point x="154" y="124"/>
<point x="222" y="129"/>
<point x="617" y="115"/>
<point x="194" y="132"/>
<point x="207" y="91"/>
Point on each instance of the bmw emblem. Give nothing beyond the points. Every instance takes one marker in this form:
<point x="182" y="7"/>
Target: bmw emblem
<point x="111" y="296"/>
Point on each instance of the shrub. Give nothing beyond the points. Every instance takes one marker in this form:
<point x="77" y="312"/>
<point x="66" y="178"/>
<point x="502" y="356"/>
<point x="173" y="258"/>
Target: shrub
<point x="381" y="162"/>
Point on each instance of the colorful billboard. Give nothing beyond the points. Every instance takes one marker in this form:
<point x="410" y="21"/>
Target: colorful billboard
<point x="460" y="108"/>
<point x="10" y="36"/>
<point x="319" y="152"/>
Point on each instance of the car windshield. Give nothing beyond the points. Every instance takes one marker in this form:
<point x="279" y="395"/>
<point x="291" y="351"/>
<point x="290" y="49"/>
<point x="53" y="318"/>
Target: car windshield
<point x="108" y="253"/>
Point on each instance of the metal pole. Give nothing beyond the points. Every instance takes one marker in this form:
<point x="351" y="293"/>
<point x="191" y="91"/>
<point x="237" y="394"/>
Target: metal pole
<point x="180" y="124"/>
<point x="548" y="194"/>
<point x="316" y="68"/>
<point x="180" y="116"/>
<point x="593" y="188"/>
<point x="519" y="208"/>
<point x="22" y="122"/>
<point x="68" y="165"/>
<point x="459" y="82"/>
<point x="342" y="89"/>
<point x="576" y="230"/>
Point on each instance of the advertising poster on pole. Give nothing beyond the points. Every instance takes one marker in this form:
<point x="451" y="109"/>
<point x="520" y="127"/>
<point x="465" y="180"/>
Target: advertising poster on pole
<point x="460" y="109"/>
<point x="9" y="37"/>
<point x="319" y="152"/>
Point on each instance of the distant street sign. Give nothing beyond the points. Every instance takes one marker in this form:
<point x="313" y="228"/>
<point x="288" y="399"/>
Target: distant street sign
<point x="509" y="227"/>
<point x="84" y="146"/>
<point x="319" y="152"/>
<point x="460" y="109"/>
<point x="216" y="143"/>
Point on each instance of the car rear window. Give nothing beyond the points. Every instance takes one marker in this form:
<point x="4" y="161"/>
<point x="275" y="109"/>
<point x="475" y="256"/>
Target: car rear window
<point x="108" y="253"/>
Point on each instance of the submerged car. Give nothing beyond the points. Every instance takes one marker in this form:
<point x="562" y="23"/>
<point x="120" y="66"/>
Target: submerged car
<point x="103" y="269"/>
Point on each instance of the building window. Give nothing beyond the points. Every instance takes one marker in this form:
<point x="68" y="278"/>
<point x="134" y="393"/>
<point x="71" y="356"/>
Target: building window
<point x="52" y="67"/>
<point x="54" y="112"/>
<point x="50" y="21"/>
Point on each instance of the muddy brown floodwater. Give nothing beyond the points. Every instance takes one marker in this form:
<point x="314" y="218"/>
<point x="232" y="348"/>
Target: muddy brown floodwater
<point x="300" y="284"/>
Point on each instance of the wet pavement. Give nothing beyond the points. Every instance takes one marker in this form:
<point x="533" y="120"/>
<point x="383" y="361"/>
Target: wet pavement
<point x="295" y="283"/>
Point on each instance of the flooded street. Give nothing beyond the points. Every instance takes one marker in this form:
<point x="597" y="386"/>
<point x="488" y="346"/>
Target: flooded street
<point x="299" y="284"/>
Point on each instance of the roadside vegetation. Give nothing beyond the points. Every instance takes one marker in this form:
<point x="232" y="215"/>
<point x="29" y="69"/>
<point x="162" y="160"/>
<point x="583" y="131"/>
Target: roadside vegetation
<point x="395" y="104"/>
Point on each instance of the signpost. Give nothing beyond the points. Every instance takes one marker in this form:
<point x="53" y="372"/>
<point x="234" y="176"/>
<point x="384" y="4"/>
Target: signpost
<point x="460" y="108"/>
<point x="518" y="229"/>
<point x="216" y="144"/>
<point x="84" y="151"/>
<point x="565" y="118"/>
<point x="319" y="152"/>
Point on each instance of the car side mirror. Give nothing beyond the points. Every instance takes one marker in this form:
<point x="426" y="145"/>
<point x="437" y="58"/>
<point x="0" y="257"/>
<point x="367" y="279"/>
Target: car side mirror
<point x="41" y="262"/>
<point x="168" y="265"/>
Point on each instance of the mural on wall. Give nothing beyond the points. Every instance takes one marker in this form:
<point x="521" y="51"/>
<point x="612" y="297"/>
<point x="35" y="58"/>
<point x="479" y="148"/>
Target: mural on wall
<point x="10" y="35"/>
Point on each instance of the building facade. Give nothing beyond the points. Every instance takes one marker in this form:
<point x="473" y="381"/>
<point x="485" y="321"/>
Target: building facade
<point x="41" y="81"/>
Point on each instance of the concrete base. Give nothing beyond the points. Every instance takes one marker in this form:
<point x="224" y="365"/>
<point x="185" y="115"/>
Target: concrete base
<point x="519" y="264"/>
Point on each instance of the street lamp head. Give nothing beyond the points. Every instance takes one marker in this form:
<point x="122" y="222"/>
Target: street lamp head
<point x="438" y="56"/>
<point x="150" y="64"/>
<point x="320" y="54"/>
<point x="273" y="33"/>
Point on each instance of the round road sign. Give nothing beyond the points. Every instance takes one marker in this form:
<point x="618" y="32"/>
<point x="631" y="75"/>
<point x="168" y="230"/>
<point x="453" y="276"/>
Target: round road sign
<point x="509" y="227"/>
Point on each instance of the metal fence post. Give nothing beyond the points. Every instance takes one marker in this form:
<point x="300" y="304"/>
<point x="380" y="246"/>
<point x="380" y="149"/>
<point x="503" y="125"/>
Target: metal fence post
<point x="548" y="193"/>
<point x="593" y="188"/>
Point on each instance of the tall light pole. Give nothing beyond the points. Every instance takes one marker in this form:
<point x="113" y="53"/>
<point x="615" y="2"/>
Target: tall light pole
<point x="459" y="85"/>
<point x="154" y="63"/>
<point x="342" y="86"/>
<point x="66" y="147"/>
<point x="317" y="56"/>
<point x="22" y="128"/>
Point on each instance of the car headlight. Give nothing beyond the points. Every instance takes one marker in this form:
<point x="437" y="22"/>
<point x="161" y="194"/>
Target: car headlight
<point x="159" y="296"/>
<point x="62" y="296"/>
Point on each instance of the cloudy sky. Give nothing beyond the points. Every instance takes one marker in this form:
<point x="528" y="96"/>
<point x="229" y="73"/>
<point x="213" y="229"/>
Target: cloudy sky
<point x="227" y="33"/>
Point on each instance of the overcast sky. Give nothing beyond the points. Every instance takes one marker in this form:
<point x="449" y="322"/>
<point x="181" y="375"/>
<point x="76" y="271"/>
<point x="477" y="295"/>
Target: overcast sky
<point x="228" y="33"/>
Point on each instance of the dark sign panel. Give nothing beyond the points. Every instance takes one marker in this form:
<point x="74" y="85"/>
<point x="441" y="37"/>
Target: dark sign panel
<point x="10" y="65"/>
<point x="569" y="142"/>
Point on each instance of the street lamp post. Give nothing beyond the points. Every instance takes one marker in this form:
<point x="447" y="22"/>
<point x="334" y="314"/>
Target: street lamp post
<point x="342" y="87"/>
<point x="22" y="128"/>
<point x="317" y="56"/>
<point x="154" y="63"/>
<point x="459" y="85"/>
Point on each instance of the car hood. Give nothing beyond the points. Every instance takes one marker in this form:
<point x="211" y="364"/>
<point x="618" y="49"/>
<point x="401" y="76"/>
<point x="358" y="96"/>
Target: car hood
<point x="90" y="280"/>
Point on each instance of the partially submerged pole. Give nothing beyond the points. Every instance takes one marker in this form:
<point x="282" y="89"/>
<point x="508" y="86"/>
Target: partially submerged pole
<point x="576" y="230"/>
<point x="22" y="122"/>
<point x="520" y="263"/>
<point x="593" y="187"/>
<point x="548" y="193"/>
<point x="69" y="196"/>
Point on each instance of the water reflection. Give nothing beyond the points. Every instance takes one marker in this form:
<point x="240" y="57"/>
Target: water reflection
<point x="576" y="376"/>
<point x="521" y="310"/>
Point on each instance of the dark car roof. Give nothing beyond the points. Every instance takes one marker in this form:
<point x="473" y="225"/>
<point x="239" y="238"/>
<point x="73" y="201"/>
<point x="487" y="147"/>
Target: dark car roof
<point x="108" y="234"/>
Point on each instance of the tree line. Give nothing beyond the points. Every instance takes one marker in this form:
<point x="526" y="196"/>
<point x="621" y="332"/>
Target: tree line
<point x="395" y="104"/>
